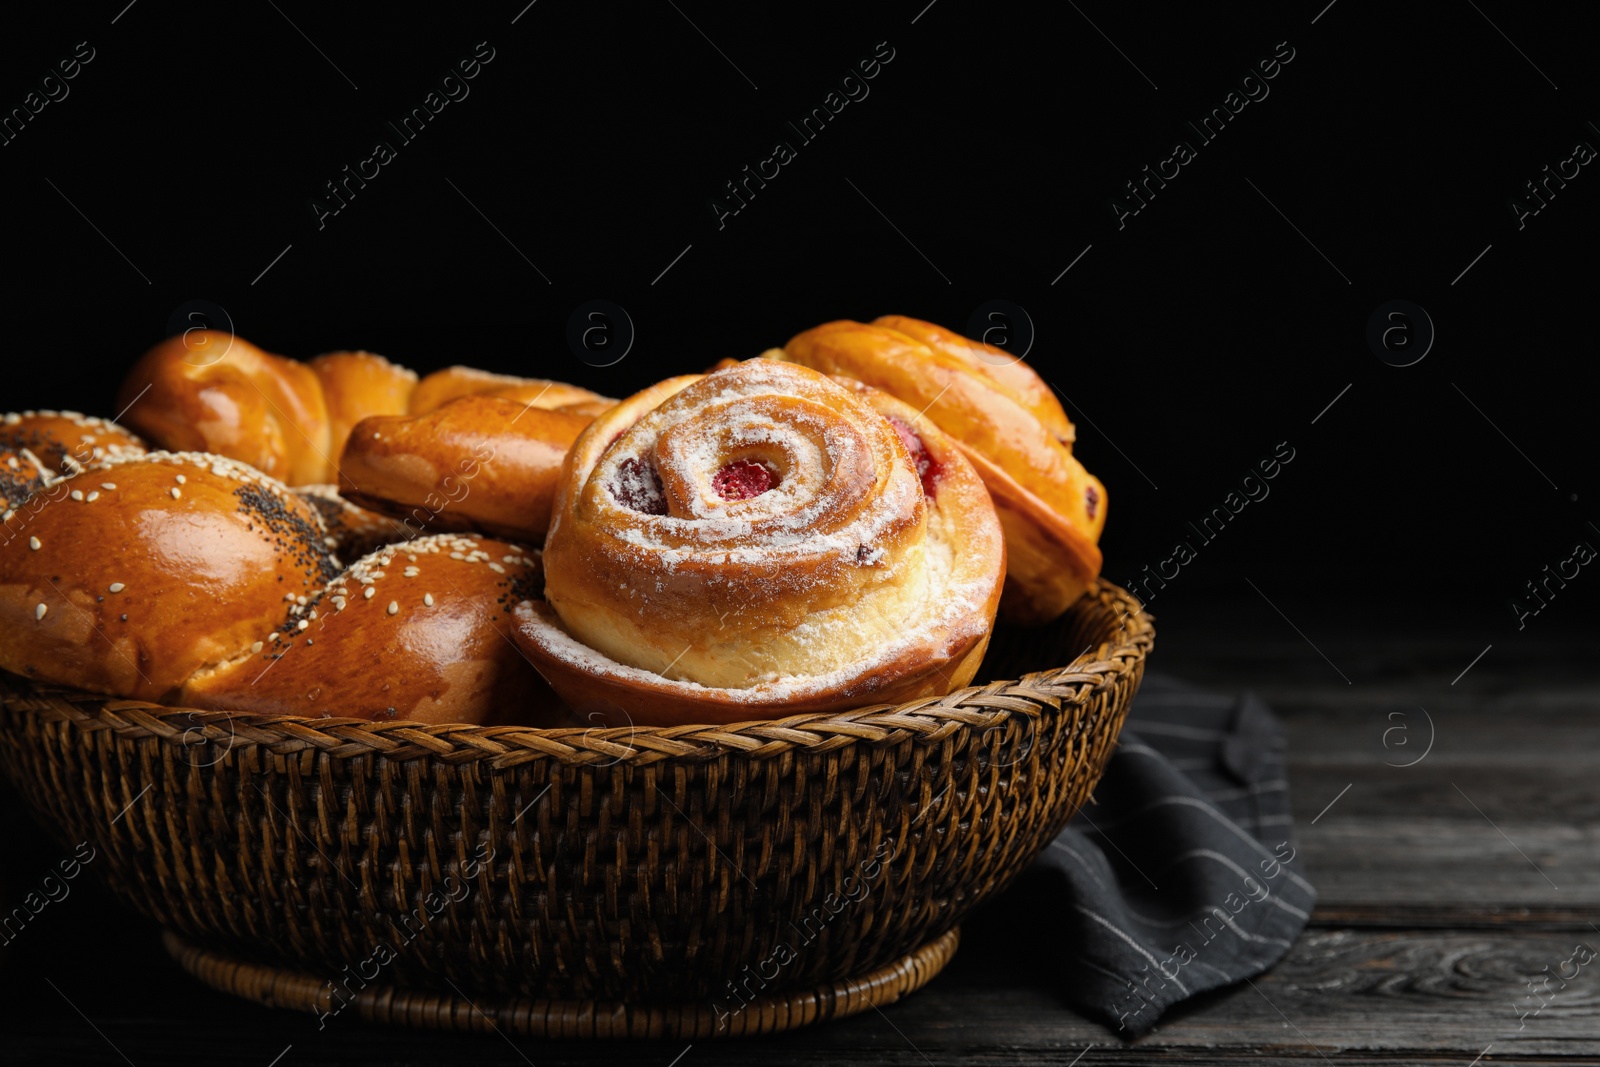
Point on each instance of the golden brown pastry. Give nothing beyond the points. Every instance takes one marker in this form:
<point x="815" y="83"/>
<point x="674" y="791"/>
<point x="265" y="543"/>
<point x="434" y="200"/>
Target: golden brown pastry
<point x="187" y="577"/>
<point x="443" y="386"/>
<point x="1007" y="423"/>
<point x="21" y="476"/>
<point x="209" y="391"/>
<point x="758" y="542"/>
<point x="418" y="631"/>
<point x="232" y="399"/>
<point x="146" y="569"/>
<point x="479" y="462"/>
<point x="354" y="386"/>
<point x="38" y="447"/>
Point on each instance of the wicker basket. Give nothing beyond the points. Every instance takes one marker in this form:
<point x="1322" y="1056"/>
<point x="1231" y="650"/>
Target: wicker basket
<point x="688" y="881"/>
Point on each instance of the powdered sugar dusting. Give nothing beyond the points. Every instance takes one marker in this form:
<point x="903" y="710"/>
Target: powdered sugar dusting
<point x="839" y="575"/>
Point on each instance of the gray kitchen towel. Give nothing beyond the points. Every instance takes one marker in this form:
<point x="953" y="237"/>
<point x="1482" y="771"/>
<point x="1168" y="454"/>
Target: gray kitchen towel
<point x="1181" y="874"/>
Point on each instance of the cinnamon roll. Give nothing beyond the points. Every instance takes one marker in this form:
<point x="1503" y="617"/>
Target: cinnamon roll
<point x="763" y="541"/>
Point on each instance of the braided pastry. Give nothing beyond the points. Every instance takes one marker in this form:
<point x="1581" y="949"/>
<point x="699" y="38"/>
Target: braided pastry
<point x="209" y="391"/>
<point x="418" y="631"/>
<point x="148" y="568"/>
<point x="762" y="541"/>
<point x="40" y="447"/>
<point x="187" y="577"/>
<point x="1007" y="423"/>
<point x="353" y="531"/>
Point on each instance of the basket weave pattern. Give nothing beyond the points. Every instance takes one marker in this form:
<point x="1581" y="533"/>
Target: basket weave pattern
<point x="646" y="865"/>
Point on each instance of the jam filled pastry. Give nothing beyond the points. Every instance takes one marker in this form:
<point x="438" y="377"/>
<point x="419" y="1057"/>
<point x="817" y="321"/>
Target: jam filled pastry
<point x="1008" y="423"/>
<point x="758" y="542"/>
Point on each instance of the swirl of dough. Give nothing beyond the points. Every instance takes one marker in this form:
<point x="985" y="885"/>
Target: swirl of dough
<point x="761" y="540"/>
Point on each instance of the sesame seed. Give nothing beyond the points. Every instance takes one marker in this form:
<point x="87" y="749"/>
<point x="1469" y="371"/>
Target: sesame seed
<point x="182" y="480"/>
<point x="456" y="555"/>
<point x="116" y="587"/>
<point x="93" y="496"/>
<point x="368" y="591"/>
<point x="303" y="623"/>
<point x="497" y="568"/>
<point x="256" y="647"/>
<point x="273" y="636"/>
<point x="77" y="494"/>
<point x="394" y="607"/>
<point x="38" y="612"/>
<point x="412" y="572"/>
<point x="427" y="598"/>
<point x="108" y="485"/>
<point x="34" y="543"/>
<point x="175" y="494"/>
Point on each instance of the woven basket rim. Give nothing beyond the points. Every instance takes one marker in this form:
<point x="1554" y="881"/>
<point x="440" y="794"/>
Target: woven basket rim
<point x="933" y="717"/>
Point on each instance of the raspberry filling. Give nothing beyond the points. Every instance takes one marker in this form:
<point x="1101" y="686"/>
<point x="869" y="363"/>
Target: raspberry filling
<point x="638" y="487"/>
<point x="928" y="469"/>
<point x="743" y="480"/>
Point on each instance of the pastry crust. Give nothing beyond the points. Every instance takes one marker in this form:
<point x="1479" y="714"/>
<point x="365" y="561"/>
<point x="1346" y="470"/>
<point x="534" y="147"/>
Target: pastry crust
<point x="851" y="575"/>
<point x="479" y="462"/>
<point x="38" y="448"/>
<point x="418" y="631"/>
<point x="1009" y="425"/>
<point x="353" y="531"/>
<point x="209" y="391"/>
<point x="129" y="577"/>
<point x="441" y="387"/>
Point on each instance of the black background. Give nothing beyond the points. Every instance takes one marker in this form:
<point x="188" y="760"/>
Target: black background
<point x="1213" y="326"/>
<point x="1190" y="342"/>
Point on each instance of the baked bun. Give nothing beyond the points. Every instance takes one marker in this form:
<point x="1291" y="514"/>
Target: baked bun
<point x="129" y="577"/>
<point x="1009" y="425"/>
<point x="759" y="542"/>
<point x="353" y="531"/>
<point x="208" y="391"/>
<point x="479" y="462"/>
<point x="21" y="476"/>
<point x="38" y="447"/>
<point x="66" y="442"/>
<point x="441" y="387"/>
<point x="354" y="386"/>
<point x="418" y="631"/>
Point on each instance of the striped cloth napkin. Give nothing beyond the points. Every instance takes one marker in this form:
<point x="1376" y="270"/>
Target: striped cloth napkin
<point x="1181" y="872"/>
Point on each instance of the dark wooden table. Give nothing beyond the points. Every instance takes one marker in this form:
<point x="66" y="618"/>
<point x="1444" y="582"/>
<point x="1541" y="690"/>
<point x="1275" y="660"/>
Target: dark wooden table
<point x="1445" y="887"/>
